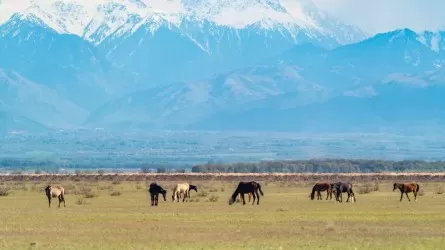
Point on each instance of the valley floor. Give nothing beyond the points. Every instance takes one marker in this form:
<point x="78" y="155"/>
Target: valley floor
<point x="117" y="215"/>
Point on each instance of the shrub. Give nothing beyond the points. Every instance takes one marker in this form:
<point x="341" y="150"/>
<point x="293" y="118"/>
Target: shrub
<point x="421" y="192"/>
<point x="213" y="198"/>
<point x="115" y="193"/>
<point x="81" y="201"/>
<point x="439" y="190"/>
<point x="90" y="195"/>
<point x="5" y="191"/>
<point x="202" y="194"/>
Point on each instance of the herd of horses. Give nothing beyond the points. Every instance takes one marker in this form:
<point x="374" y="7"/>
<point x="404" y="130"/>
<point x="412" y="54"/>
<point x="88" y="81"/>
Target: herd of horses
<point x="252" y="189"/>
<point x="340" y="187"/>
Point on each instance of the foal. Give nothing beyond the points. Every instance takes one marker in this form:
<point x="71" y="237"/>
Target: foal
<point x="53" y="192"/>
<point x="407" y="188"/>
<point x="154" y="191"/>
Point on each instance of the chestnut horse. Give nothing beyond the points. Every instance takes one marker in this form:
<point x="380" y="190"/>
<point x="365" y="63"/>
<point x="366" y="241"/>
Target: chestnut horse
<point x="406" y="188"/>
<point x="318" y="187"/>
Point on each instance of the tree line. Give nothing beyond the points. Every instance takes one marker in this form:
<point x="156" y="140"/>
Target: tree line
<point x="323" y="166"/>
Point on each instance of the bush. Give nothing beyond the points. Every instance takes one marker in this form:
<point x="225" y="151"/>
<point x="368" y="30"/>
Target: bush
<point x="5" y="191"/>
<point x="81" y="201"/>
<point x="202" y="194"/>
<point x="116" y="193"/>
<point x="90" y="195"/>
<point x="213" y="198"/>
<point x="439" y="190"/>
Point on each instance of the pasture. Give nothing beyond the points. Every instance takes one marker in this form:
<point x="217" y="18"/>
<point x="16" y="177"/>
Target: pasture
<point x="117" y="214"/>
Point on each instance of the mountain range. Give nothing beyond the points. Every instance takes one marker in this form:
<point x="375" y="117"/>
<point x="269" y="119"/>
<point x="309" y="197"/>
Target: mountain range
<point x="207" y="64"/>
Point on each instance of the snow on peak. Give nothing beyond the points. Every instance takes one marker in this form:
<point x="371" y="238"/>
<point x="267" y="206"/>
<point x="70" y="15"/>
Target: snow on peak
<point x="97" y="19"/>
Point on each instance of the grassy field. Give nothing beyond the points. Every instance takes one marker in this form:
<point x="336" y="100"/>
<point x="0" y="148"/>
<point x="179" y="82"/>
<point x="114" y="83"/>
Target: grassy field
<point x="117" y="215"/>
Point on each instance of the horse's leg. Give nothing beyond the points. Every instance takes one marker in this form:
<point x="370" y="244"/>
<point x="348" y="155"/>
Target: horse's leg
<point x="152" y="199"/>
<point x="156" y="199"/>
<point x="401" y="195"/>
<point x="258" y="197"/>
<point x="253" y="195"/>
<point x="408" y="197"/>
<point x="60" y="200"/>
<point x="242" y="196"/>
<point x="63" y="199"/>
<point x="49" y="201"/>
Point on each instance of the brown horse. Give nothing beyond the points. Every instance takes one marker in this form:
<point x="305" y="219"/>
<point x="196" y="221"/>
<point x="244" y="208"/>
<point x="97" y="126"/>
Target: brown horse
<point x="406" y="188"/>
<point x="53" y="192"/>
<point x="319" y="187"/>
<point x="245" y="188"/>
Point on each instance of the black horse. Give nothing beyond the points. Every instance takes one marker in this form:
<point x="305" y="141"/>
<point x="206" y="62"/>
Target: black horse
<point x="340" y="188"/>
<point x="247" y="187"/>
<point x="154" y="191"/>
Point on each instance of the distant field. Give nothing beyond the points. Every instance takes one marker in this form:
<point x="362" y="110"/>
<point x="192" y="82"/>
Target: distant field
<point x="228" y="177"/>
<point x="117" y="215"/>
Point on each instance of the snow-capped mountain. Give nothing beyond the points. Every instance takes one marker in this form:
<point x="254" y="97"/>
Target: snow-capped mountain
<point x="171" y="63"/>
<point x="95" y="20"/>
<point x="139" y="44"/>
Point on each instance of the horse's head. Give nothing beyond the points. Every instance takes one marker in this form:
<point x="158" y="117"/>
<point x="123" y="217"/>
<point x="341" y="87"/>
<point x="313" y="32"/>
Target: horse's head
<point x="48" y="189"/>
<point x="231" y="200"/>
<point x="193" y="187"/>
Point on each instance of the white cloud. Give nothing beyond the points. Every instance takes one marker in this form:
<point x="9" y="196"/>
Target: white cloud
<point x="384" y="15"/>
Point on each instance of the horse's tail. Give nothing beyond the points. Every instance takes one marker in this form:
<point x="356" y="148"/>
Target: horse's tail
<point x="313" y="193"/>
<point x="259" y="188"/>
<point x="417" y="187"/>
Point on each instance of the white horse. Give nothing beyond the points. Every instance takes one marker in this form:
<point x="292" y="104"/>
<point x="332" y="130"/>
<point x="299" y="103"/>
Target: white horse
<point x="183" y="189"/>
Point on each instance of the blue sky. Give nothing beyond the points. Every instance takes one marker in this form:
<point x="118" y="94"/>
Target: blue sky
<point x="383" y="15"/>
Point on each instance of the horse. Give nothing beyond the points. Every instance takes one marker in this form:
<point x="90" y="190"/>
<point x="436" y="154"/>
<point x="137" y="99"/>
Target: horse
<point x="183" y="188"/>
<point x="340" y="188"/>
<point x="247" y="187"/>
<point x="154" y="191"/>
<point x="407" y="188"/>
<point x="321" y="187"/>
<point x="58" y="192"/>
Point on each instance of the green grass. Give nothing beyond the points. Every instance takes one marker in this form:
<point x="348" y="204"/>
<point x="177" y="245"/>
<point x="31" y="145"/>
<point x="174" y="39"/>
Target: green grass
<point x="285" y="219"/>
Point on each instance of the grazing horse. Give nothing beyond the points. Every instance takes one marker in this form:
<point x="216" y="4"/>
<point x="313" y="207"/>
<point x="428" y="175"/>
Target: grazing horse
<point x="318" y="187"/>
<point x="247" y="187"/>
<point x="58" y="192"/>
<point x="154" y="191"/>
<point x="340" y="188"/>
<point x="183" y="188"/>
<point x="407" y="188"/>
